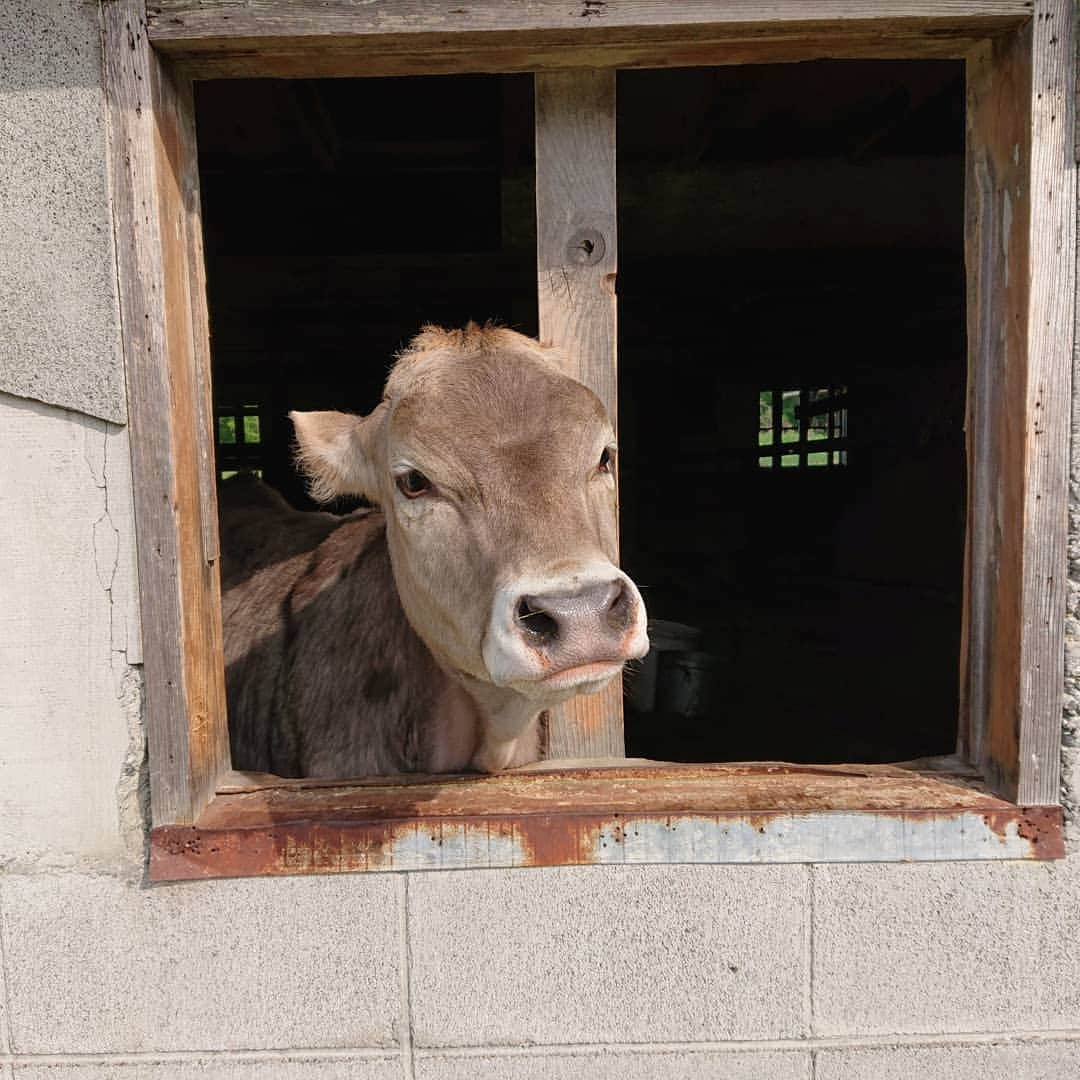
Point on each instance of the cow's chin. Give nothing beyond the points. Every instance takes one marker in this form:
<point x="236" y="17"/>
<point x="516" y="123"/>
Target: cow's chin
<point x="559" y="686"/>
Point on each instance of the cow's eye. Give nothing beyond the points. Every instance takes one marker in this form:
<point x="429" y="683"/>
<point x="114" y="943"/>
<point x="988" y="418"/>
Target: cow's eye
<point x="607" y="460"/>
<point x="413" y="484"/>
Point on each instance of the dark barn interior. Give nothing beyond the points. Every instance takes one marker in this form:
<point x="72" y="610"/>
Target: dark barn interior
<point x="791" y="350"/>
<point x="341" y="215"/>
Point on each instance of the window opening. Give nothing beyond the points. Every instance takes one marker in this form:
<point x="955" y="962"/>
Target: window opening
<point x="339" y="217"/>
<point x="336" y="225"/>
<point x="792" y="240"/>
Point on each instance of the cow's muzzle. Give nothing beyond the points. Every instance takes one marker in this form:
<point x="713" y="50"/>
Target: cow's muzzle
<point x="570" y="633"/>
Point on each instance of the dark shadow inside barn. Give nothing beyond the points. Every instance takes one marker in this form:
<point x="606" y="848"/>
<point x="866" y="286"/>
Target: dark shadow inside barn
<point x="791" y="349"/>
<point x="792" y="383"/>
<point x="338" y="217"/>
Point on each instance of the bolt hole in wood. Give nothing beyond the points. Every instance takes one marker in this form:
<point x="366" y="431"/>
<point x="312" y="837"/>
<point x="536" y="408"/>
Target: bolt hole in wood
<point x="587" y="247"/>
<point x="768" y="229"/>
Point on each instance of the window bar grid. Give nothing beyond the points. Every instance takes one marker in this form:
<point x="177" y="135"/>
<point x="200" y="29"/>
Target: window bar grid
<point x="778" y="426"/>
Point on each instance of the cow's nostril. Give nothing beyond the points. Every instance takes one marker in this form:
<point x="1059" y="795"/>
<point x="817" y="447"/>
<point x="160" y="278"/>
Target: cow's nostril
<point x="538" y="625"/>
<point x="620" y="610"/>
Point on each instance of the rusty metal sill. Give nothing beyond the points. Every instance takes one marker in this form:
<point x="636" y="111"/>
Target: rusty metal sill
<point x="625" y="813"/>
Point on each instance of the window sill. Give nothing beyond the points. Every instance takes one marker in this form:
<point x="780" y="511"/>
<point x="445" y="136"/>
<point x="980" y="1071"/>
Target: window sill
<point x="602" y="813"/>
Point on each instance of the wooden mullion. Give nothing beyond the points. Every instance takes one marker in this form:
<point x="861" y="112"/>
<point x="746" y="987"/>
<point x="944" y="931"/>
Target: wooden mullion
<point x="576" y="266"/>
<point x="149" y="154"/>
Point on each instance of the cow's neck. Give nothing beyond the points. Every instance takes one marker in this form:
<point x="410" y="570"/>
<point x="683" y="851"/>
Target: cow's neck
<point x="509" y="726"/>
<point x="505" y="725"/>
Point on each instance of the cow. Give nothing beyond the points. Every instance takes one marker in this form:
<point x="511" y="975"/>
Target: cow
<point x="428" y="632"/>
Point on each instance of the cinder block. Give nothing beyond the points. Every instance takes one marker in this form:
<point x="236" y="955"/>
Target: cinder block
<point x="298" y="1067"/>
<point x="1018" y="1061"/>
<point x="59" y="328"/>
<point x="96" y="966"/>
<point x="952" y="947"/>
<point x="608" y="954"/>
<point x="620" y="1065"/>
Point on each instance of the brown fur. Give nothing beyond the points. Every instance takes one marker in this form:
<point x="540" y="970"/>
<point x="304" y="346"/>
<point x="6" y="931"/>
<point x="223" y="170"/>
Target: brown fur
<point x="324" y="675"/>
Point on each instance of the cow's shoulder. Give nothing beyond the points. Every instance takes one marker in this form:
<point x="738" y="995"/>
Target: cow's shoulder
<point x="260" y="530"/>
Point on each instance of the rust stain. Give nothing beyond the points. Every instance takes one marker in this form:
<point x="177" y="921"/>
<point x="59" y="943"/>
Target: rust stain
<point x="1041" y="826"/>
<point x="569" y="818"/>
<point x="558" y="839"/>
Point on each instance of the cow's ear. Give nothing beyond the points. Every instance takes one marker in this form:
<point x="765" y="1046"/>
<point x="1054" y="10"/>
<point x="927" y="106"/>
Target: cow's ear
<point x="334" y="451"/>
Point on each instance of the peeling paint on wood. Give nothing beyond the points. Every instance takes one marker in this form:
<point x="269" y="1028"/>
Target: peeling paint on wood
<point x="679" y="814"/>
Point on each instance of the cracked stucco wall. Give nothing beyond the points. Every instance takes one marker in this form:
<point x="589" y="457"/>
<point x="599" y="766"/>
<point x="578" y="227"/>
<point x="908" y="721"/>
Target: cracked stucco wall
<point x="69" y="637"/>
<point x="72" y="773"/>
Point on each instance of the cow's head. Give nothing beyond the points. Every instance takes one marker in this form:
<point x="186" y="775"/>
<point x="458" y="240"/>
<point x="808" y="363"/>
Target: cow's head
<point x="495" y="473"/>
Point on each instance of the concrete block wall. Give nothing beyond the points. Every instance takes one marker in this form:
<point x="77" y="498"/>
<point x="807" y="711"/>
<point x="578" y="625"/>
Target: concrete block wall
<point x="827" y="972"/>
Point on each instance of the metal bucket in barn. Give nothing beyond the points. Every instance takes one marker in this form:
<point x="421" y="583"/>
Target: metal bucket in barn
<point x="642" y="679"/>
<point x="687" y="683"/>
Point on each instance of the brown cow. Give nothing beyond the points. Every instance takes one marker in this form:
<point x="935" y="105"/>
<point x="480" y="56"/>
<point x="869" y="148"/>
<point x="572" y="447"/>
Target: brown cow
<point x="429" y="635"/>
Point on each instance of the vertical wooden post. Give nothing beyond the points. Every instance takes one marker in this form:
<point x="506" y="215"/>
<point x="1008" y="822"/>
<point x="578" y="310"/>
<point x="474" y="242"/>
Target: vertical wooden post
<point x="576" y="257"/>
<point x="1051" y="299"/>
<point x="1021" y="192"/>
<point x="997" y="194"/>
<point x="163" y="325"/>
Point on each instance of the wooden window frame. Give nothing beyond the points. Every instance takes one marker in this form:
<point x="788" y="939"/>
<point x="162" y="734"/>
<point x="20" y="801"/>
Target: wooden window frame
<point x="997" y="799"/>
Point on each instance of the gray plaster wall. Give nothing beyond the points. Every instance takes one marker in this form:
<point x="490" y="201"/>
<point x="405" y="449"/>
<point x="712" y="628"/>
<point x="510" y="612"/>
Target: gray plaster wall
<point x="58" y="326"/>
<point x="863" y="972"/>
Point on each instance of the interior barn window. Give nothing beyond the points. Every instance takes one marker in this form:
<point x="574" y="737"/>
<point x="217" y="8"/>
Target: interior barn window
<point x="791" y="240"/>
<point x="802" y="428"/>
<point x="238" y="439"/>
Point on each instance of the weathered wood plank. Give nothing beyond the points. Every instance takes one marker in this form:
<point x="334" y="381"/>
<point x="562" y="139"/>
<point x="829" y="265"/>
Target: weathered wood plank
<point x="204" y="634"/>
<point x="279" y="38"/>
<point x="204" y="416"/>
<point x="187" y="359"/>
<point x="1021" y="260"/>
<point x="215" y="24"/>
<point x="789" y="776"/>
<point x="998" y="161"/>
<point x="1052" y="277"/>
<point x="577" y="256"/>
<point x="681" y="814"/>
<point x="653" y="788"/>
<point x="342" y="58"/>
<point x="576" y="265"/>
<point x="149" y="159"/>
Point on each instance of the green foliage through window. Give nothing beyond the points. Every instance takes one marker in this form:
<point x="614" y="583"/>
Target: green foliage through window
<point x="239" y="443"/>
<point x="791" y="422"/>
